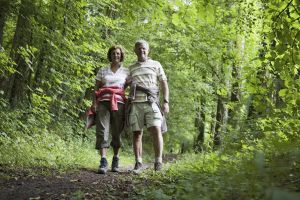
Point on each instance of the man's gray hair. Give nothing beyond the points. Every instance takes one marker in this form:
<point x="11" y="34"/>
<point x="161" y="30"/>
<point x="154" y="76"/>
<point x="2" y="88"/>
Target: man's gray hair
<point x="144" y="42"/>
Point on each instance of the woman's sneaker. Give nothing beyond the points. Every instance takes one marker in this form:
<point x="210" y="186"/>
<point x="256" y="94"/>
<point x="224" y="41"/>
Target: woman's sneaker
<point x="115" y="164"/>
<point x="103" y="166"/>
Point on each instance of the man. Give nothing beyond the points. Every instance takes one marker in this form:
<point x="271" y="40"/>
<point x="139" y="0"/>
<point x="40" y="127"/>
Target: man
<point x="147" y="77"/>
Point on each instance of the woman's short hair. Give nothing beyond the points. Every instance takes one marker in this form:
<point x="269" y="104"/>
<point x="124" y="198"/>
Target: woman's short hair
<point x="114" y="47"/>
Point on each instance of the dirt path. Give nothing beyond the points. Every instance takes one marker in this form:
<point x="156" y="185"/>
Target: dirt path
<point x="81" y="184"/>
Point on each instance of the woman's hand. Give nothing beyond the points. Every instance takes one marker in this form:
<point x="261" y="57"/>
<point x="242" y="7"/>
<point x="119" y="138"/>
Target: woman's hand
<point x="128" y="81"/>
<point x="94" y="106"/>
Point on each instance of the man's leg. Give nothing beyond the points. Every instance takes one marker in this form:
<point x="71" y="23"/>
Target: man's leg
<point x="158" y="145"/>
<point x="138" y="148"/>
<point x="153" y="123"/>
<point x="136" y="120"/>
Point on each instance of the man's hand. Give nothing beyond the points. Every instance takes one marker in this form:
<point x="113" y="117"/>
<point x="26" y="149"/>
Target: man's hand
<point x="165" y="107"/>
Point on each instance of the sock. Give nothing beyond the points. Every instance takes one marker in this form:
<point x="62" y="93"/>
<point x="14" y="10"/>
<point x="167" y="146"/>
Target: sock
<point x="158" y="159"/>
<point x="139" y="159"/>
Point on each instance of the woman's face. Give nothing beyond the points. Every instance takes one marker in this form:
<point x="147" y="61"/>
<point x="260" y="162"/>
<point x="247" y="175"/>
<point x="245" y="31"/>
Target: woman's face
<point x="116" y="55"/>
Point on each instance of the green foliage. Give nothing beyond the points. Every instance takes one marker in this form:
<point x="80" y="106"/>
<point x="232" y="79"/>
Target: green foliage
<point x="249" y="174"/>
<point x="211" y="50"/>
<point x="29" y="139"/>
<point x="5" y="63"/>
<point x="50" y="150"/>
<point x="45" y="150"/>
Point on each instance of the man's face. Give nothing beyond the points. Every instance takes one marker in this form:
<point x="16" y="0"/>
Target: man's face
<point x="141" y="50"/>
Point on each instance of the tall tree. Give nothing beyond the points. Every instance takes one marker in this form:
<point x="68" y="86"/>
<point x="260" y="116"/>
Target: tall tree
<point x="4" y="8"/>
<point x="16" y="90"/>
<point x="200" y="122"/>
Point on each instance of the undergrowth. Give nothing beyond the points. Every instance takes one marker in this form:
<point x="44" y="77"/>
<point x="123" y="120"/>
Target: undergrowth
<point x="51" y="151"/>
<point x="251" y="173"/>
<point x="39" y="142"/>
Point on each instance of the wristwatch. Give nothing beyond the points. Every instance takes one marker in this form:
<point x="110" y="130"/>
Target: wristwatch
<point x="166" y="101"/>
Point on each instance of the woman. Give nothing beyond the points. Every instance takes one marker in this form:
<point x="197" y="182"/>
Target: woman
<point x="109" y="101"/>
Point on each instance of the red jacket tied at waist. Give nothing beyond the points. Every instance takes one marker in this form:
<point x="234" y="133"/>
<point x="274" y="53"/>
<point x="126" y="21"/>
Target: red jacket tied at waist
<point x="113" y="91"/>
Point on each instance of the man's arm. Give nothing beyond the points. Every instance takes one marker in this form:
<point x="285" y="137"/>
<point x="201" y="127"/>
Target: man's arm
<point x="165" y="92"/>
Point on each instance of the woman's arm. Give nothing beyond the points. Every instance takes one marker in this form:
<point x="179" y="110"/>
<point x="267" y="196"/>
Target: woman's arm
<point x="98" y="85"/>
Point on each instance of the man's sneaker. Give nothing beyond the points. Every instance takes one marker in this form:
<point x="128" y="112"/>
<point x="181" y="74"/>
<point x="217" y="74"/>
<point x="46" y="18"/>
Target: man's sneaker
<point x="157" y="166"/>
<point x="103" y="166"/>
<point x="115" y="164"/>
<point x="138" y="167"/>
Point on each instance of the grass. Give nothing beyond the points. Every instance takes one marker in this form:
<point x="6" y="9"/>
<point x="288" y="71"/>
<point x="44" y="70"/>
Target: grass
<point x="235" y="175"/>
<point x="50" y="151"/>
<point x="44" y="151"/>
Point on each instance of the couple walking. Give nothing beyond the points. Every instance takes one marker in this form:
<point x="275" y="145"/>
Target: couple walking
<point x="145" y="78"/>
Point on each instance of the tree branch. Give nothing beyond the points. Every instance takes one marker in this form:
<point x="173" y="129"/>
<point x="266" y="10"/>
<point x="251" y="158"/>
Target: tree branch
<point x="283" y="10"/>
<point x="296" y="9"/>
<point x="293" y="44"/>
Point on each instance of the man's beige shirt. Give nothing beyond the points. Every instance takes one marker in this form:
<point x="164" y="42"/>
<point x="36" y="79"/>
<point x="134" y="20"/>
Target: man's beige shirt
<point x="146" y="74"/>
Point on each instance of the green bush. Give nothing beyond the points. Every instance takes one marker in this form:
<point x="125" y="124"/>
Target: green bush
<point x="30" y="139"/>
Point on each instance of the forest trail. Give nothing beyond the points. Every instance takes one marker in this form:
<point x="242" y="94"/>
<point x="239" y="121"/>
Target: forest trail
<point x="80" y="184"/>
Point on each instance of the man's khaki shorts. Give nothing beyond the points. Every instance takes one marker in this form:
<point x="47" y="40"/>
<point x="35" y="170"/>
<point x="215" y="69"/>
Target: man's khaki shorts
<point x="144" y="114"/>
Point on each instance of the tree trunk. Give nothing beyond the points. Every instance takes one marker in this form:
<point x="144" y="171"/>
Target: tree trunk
<point x="200" y="124"/>
<point x="18" y="82"/>
<point x="4" y="7"/>
<point x="221" y="117"/>
<point x="235" y="91"/>
<point x="235" y="113"/>
<point x="65" y="18"/>
<point x="38" y="76"/>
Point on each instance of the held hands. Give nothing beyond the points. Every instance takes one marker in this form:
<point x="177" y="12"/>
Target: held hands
<point x="165" y="107"/>
<point x="128" y="80"/>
